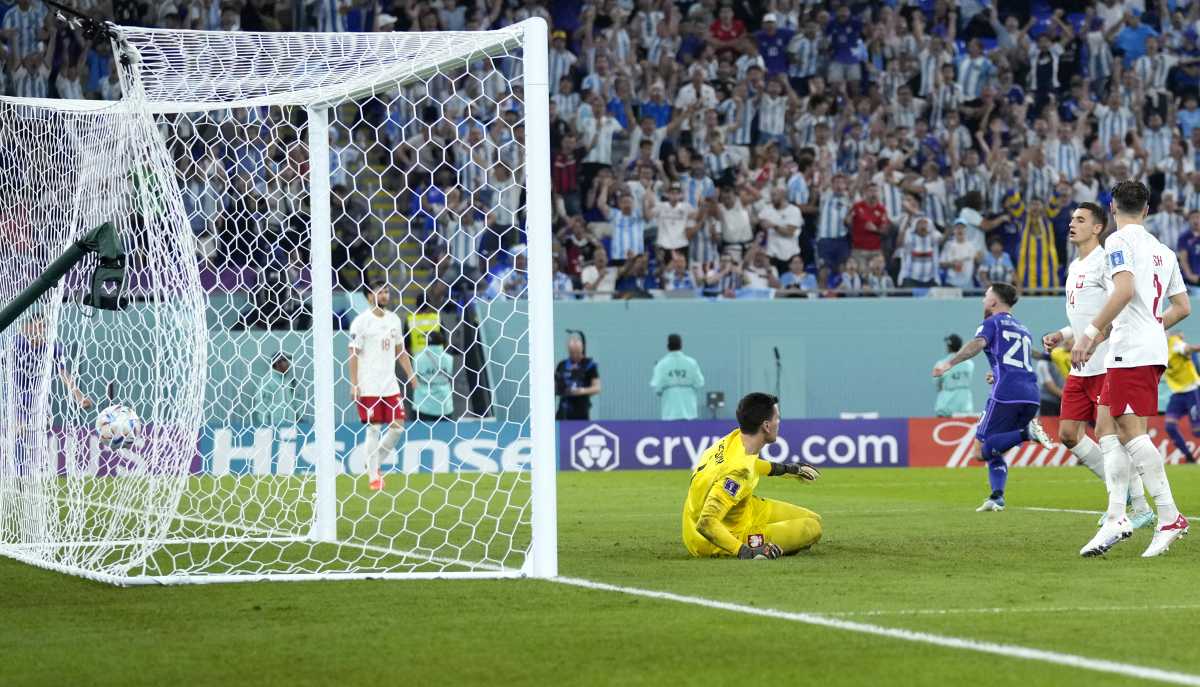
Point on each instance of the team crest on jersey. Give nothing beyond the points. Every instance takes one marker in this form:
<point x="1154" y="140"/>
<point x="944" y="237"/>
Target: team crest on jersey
<point x="1079" y="281"/>
<point x="1116" y="258"/>
<point x="732" y="487"/>
<point x="755" y="540"/>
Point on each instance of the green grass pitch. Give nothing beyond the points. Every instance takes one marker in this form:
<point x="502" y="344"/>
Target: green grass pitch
<point x="902" y="548"/>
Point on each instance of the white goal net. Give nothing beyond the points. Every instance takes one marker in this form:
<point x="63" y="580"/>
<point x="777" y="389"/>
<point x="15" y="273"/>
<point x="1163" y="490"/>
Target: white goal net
<point x="271" y="189"/>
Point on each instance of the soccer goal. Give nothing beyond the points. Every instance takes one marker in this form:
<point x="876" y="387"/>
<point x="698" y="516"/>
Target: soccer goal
<point x="261" y="183"/>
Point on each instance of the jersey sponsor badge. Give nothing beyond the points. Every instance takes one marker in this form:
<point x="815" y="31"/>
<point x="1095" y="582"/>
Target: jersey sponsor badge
<point x="732" y="487"/>
<point x="1116" y="258"/>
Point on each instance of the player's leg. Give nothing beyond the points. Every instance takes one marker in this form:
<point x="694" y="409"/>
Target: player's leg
<point x="790" y="527"/>
<point x="1177" y="407"/>
<point x="1079" y="409"/>
<point x="1114" y="527"/>
<point x="366" y="410"/>
<point x="1008" y="428"/>
<point x="793" y="536"/>
<point x="390" y="416"/>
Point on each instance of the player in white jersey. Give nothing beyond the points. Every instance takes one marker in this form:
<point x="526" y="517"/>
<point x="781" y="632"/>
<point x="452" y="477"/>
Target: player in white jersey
<point x="376" y="345"/>
<point x="1143" y="272"/>
<point x="1088" y="284"/>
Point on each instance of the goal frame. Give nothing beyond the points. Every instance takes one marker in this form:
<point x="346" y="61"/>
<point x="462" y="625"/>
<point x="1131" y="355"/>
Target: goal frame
<point x="541" y="560"/>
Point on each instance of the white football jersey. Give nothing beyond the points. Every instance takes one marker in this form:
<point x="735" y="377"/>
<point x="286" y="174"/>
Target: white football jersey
<point x="1138" y="337"/>
<point x="375" y="338"/>
<point x="1088" y="287"/>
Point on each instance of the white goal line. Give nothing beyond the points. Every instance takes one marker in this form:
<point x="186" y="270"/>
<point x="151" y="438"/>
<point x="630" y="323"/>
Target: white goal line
<point x="961" y="643"/>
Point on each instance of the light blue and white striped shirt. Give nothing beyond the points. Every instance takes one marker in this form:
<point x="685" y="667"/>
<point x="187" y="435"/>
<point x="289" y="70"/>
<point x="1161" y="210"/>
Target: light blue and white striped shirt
<point x="805" y="56"/>
<point x="629" y="233"/>
<point x="920" y="257"/>
<point x="1158" y="144"/>
<point x="831" y="223"/>
<point x="1112" y="123"/>
<point x="797" y="189"/>
<point x="1065" y="157"/>
<point x="1191" y="198"/>
<point x="694" y="189"/>
<point x="27" y="25"/>
<point x="772" y="114"/>
<point x="1167" y="227"/>
<point x="329" y="19"/>
<point x="742" y="120"/>
<point x="703" y="248"/>
<point x="1039" y="183"/>
<point x="974" y="74"/>
<point x="560" y="62"/>
<point x="715" y="164"/>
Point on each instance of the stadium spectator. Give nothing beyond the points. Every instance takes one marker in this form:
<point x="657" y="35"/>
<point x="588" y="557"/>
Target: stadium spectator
<point x="598" y="278"/>
<point x="877" y="105"/>
<point x="1050" y="384"/>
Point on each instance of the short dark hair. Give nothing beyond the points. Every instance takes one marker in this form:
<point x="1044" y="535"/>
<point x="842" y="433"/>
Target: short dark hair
<point x="1098" y="212"/>
<point x="436" y="338"/>
<point x="674" y="342"/>
<point x="753" y="410"/>
<point x="954" y="343"/>
<point x="1130" y="197"/>
<point x="1005" y="292"/>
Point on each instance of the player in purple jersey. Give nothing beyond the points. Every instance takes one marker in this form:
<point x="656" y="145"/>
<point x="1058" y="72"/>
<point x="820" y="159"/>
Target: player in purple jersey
<point x="26" y="357"/>
<point x="1011" y="414"/>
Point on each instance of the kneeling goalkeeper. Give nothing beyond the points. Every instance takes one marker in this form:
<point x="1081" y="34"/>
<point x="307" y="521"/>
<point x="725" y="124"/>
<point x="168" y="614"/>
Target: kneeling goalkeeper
<point x="723" y="517"/>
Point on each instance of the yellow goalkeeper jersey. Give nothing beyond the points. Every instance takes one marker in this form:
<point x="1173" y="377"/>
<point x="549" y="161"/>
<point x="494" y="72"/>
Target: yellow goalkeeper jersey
<point x="723" y="482"/>
<point x="1181" y="374"/>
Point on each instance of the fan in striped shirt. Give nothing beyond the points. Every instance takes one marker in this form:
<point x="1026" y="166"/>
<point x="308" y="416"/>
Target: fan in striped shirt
<point x="31" y="74"/>
<point x="1191" y="193"/>
<point x="628" y="224"/>
<point x="1167" y="225"/>
<point x="23" y="27"/>
<point x="560" y="61"/>
<point x="1176" y="169"/>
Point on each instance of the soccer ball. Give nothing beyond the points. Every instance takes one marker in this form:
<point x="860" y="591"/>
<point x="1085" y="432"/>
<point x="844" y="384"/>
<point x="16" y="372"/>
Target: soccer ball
<point x="118" y="426"/>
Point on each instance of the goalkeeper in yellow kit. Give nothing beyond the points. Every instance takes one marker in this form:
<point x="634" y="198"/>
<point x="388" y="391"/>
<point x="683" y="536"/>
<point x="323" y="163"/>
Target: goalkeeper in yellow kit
<point x="723" y="517"/>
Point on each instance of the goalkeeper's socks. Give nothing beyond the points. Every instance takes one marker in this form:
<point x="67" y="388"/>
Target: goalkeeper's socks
<point x="1089" y="454"/>
<point x="1149" y="463"/>
<point x="1177" y="438"/>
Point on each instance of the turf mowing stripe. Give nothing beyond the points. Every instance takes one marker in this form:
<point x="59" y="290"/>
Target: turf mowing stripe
<point x="1009" y="650"/>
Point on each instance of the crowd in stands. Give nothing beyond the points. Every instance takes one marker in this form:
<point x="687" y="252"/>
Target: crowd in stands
<point x="739" y="148"/>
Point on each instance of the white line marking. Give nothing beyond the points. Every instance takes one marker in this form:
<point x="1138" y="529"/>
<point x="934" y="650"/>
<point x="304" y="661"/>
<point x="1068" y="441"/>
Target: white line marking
<point x="1078" y="511"/>
<point x="1009" y="650"/>
<point x="999" y="610"/>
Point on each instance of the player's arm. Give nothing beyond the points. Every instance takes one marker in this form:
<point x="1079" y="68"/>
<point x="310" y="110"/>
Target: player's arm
<point x="69" y="381"/>
<point x="1177" y="293"/>
<point x="1120" y="259"/>
<point x="405" y="361"/>
<point x="799" y="470"/>
<point x="968" y="351"/>
<point x="722" y="496"/>
<point x="353" y="373"/>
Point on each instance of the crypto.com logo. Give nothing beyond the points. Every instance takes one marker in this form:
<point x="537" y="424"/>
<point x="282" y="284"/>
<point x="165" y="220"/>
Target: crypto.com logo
<point x="595" y="448"/>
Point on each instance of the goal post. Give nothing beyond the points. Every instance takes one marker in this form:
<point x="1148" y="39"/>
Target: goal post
<point x="260" y="183"/>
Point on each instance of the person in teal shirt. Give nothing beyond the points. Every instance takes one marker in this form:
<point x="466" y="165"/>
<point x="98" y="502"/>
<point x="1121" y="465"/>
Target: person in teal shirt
<point x="433" y="367"/>
<point x="276" y="402"/>
<point x="954" y="388"/>
<point x="677" y="378"/>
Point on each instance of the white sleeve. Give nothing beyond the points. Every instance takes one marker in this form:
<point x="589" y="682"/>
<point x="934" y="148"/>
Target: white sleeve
<point x="1176" y="285"/>
<point x="398" y="333"/>
<point x="1120" y="257"/>
<point x="356" y="337"/>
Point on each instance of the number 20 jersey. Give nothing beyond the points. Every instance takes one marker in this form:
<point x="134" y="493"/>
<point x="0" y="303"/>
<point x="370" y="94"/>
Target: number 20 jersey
<point x="1088" y="287"/>
<point x="1138" y="337"/>
<point x="1008" y="352"/>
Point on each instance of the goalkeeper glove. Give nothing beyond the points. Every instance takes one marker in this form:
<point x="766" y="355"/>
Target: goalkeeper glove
<point x="802" y="470"/>
<point x="766" y="551"/>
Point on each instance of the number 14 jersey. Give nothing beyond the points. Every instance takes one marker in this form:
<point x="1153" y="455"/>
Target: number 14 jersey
<point x="1138" y="337"/>
<point x="1008" y="352"/>
<point x="1088" y="287"/>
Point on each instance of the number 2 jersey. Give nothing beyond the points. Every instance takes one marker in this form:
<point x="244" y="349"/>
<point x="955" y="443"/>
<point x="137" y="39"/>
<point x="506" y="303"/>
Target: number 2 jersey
<point x="1138" y="337"/>
<point x="1008" y="352"/>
